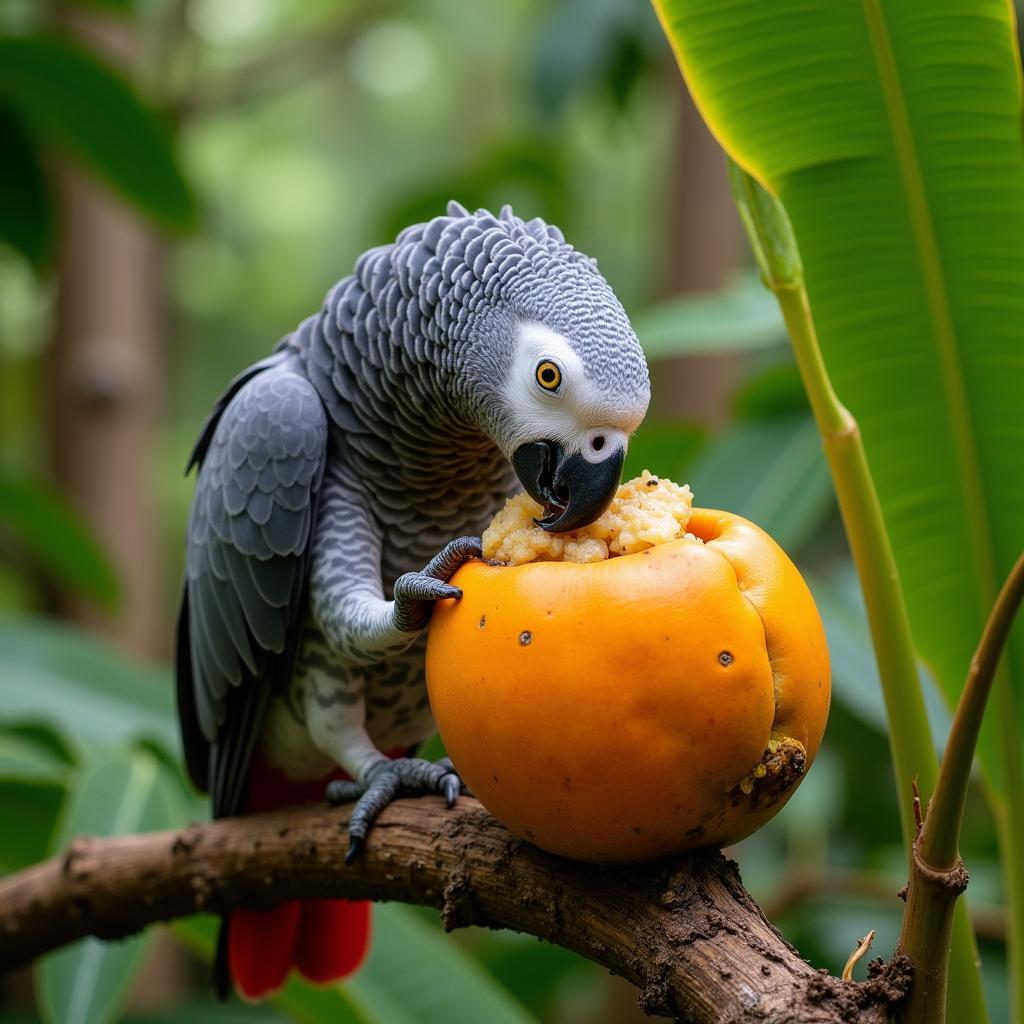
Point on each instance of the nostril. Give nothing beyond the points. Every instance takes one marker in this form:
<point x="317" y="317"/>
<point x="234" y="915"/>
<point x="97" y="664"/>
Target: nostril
<point x="598" y="443"/>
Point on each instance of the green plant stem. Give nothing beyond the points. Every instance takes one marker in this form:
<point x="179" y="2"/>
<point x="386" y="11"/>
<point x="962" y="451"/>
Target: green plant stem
<point x="937" y="875"/>
<point x="939" y="843"/>
<point x="913" y="751"/>
<point x="910" y="739"/>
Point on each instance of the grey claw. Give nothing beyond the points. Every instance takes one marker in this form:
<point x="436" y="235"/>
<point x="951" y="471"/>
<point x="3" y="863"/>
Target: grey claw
<point x="383" y="783"/>
<point x="416" y="592"/>
<point x="444" y="564"/>
<point x="451" y="785"/>
<point x="355" y="848"/>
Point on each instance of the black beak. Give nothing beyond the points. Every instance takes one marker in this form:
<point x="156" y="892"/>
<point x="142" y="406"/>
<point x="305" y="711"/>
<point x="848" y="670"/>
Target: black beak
<point x="573" y="491"/>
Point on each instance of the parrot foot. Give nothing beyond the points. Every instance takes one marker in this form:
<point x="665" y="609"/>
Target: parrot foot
<point x="383" y="783"/>
<point x="416" y="592"/>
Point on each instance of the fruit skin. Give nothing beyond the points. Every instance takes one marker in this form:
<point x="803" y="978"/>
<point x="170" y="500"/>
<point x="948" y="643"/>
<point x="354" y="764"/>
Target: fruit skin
<point x="589" y="706"/>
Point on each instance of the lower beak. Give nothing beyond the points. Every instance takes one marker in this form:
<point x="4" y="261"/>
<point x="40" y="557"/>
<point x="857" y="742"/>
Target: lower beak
<point x="573" y="491"/>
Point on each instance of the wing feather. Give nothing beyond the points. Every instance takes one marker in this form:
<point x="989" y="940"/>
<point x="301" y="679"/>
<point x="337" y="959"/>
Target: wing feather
<point x="261" y="457"/>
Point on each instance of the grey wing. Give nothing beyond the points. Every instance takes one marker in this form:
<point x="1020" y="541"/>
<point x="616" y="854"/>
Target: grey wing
<point x="249" y="540"/>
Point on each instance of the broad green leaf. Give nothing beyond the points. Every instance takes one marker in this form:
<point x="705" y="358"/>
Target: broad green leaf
<point x="34" y="805"/>
<point x="94" y="698"/>
<point x="211" y="1011"/>
<point x="891" y="133"/>
<point x="76" y="102"/>
<point x="114" y="6"/>
<point x="742" y="317"/>
<point x="49" y="742"/>
<point x="775" y="391"/>
<point x="26" y="210"/>
<point x="587" y="46"/>
<point x="54" y="535"/>
<point x="855" y="682"/>
<point x="87" y="982"/>
<point x="414" y="975"/>
<point x="300" y="1001"/>
<point x="771" y="472"/>
<point x="23" y="760"/>
<point x="417" y="975"/>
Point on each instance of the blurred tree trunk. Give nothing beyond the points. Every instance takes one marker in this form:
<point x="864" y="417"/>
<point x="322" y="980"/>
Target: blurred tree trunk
<point x="704" y="250"/>
<point x="106" y="371"/>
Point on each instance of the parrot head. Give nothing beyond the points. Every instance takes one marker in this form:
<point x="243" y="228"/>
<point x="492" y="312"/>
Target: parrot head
<point x="556" y="375"/>
<point x="572" y="401"/>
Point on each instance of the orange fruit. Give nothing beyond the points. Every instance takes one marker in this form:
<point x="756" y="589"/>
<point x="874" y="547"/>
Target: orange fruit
<point x="619" y="711"/>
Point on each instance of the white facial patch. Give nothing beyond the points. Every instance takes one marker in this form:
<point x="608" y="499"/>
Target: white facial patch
<point x="574" y="414"/>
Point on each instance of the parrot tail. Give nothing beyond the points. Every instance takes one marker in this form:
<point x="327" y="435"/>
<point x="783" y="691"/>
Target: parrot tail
<point x="324" y="940"/>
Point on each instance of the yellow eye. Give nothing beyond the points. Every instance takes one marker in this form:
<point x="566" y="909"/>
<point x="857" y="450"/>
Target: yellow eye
<point x="549" y="376"/>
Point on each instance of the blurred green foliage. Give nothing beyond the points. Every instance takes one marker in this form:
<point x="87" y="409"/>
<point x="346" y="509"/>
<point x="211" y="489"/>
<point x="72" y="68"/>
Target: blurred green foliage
<point x="291" y="135"/>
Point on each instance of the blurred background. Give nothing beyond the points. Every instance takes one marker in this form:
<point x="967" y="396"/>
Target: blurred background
<point x="181" y="182"/>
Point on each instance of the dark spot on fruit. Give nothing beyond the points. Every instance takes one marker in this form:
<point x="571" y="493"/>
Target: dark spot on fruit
<point x="493" y="776"/>
<point x="483" y="621"/>
<point x="693" y="833"/>
<point x="525" y="638"/>
<point x="567" y="783"/>
<point x="725" y="659"/>
<point x="530" y="834"/>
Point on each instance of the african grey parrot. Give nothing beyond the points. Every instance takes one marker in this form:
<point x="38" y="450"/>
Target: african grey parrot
<point x="333" y="477"/>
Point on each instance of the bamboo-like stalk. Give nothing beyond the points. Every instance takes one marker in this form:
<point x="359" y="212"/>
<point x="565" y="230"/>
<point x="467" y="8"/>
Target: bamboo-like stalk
<point x="910" y="739"/>
<point x="937" y="875"/>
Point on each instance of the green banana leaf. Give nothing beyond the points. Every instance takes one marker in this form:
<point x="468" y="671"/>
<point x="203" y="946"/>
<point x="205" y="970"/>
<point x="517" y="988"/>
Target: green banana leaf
<point x="55" y="536"/>
<point x="59" y="677"/>
<point x="891" y="132"/>
<point x="85" y="983"/>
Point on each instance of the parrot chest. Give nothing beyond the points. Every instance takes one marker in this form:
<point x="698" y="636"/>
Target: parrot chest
<point x="327" y="696"/>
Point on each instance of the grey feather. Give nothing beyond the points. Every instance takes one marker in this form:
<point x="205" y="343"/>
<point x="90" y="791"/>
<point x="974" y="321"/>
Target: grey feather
<point x="248" y="535"/>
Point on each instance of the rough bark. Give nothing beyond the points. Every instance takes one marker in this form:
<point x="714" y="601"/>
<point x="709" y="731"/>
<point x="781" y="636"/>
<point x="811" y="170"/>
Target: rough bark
<point x="685" y="931"/>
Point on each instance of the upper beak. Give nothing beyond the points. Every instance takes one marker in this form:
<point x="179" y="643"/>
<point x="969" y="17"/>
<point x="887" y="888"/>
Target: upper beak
<point x="573" y="491"/>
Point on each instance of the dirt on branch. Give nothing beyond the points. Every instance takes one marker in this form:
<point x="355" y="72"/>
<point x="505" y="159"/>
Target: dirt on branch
<point x="684" y="931"/>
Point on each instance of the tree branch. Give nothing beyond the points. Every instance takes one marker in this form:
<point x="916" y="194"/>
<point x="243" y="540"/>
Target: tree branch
<point x="684" y="931"/>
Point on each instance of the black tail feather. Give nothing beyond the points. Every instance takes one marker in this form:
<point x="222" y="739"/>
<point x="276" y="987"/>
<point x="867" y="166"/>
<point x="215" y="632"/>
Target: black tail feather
<point x="221" y="972"/>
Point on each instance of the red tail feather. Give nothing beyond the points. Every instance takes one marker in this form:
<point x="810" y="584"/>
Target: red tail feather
<point x="324" y="940"/>
<point x="333" y="940"/>
<point x="261" y="947"/>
